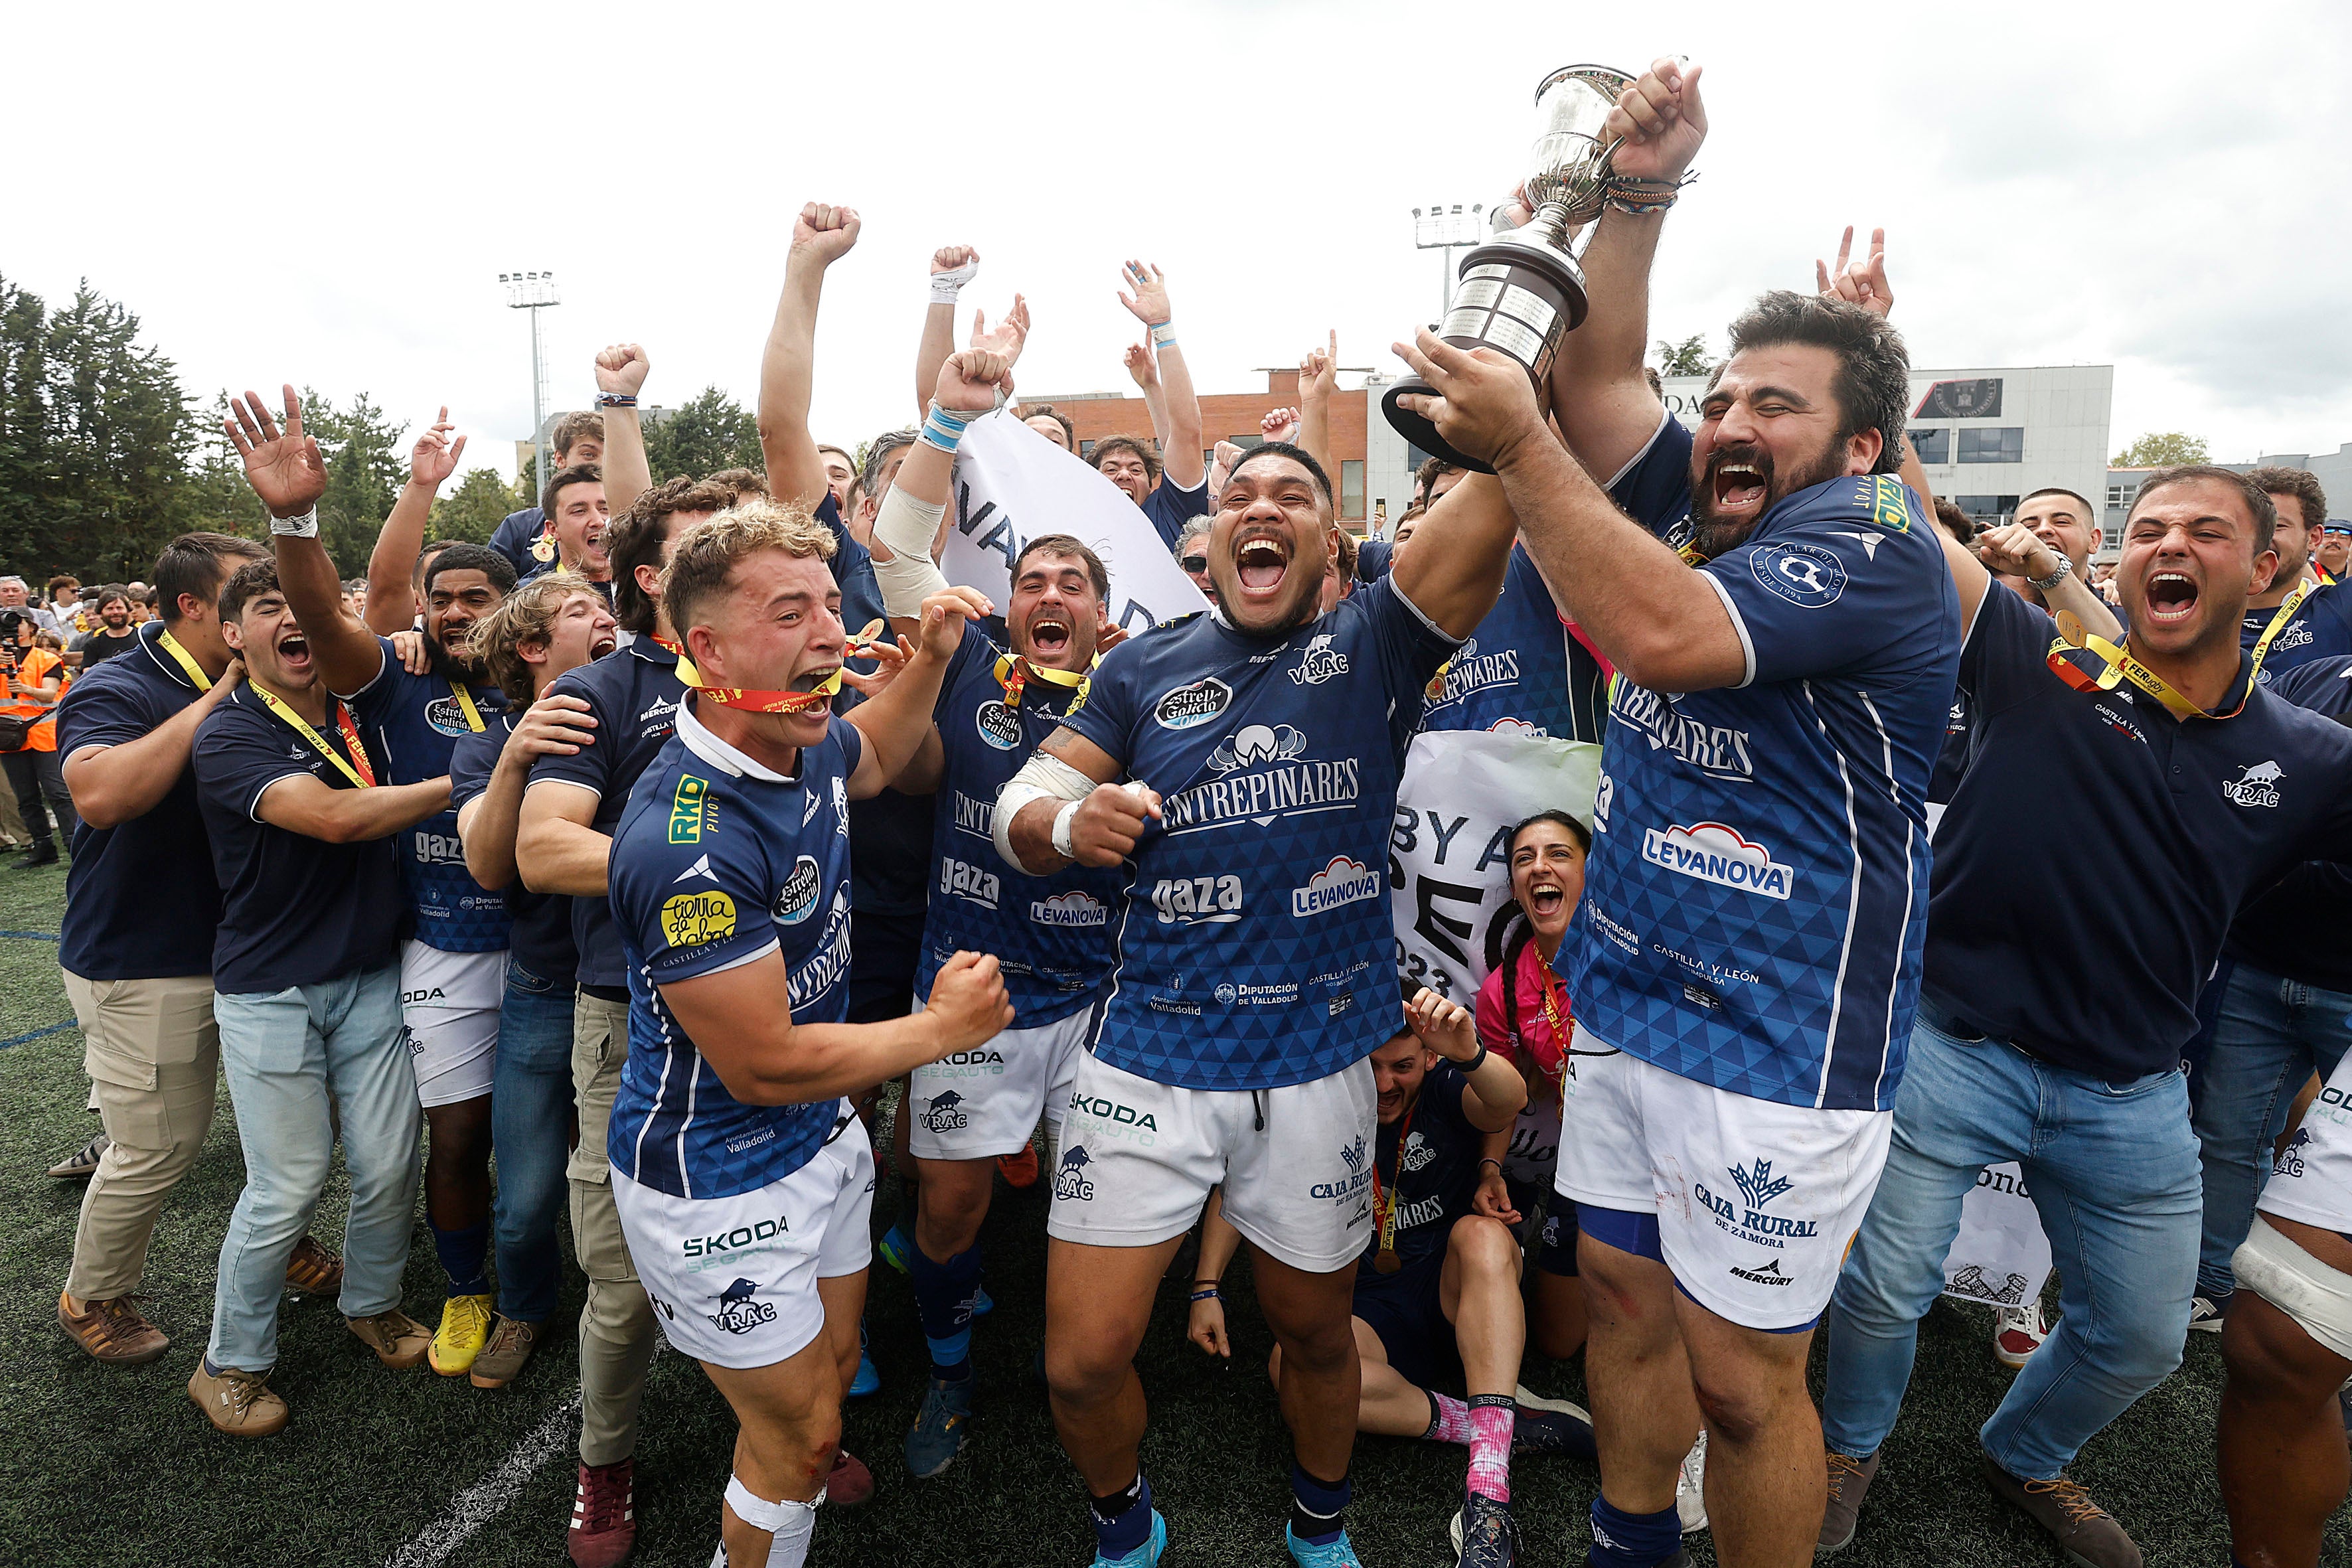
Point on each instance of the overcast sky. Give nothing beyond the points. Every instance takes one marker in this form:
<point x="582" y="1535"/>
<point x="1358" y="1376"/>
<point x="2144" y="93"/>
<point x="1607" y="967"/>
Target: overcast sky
<point x="326" y="194"/>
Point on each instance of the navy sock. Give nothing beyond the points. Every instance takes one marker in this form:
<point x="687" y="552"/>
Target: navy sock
<point x="943" y="1297"/>
<point x="465" y="1257"/>
<point x="1122" y="1521"/>
<point x="1318" y="1508"/>
<point x="1633" y="1540"/>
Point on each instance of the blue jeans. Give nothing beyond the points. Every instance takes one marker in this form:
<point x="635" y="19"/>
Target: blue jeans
<point x="531" y="1137"/>
<point x="284" y="1052"/>
<point x="2268" y="1035"/>
<point x="2113" y="1170"/>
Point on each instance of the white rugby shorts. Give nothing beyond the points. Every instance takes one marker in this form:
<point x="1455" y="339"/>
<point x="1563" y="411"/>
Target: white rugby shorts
<point x="734" y="1280"/>
<point x="1138" y="1159"/>
<point x="1756" y="1202"/>
<point x="449" y="1017"/>
<point x="987" y="1100"/>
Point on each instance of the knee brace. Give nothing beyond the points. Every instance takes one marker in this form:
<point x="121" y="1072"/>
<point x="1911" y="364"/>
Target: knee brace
<point x="788" y="1522"/>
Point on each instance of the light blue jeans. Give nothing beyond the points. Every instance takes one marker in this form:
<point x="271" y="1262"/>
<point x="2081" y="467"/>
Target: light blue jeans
<point x="2269" y="1035"/>
<point x="2113" y="1170"/>
<point x="531" y="1135"/>
<point x="284" y="1052"/>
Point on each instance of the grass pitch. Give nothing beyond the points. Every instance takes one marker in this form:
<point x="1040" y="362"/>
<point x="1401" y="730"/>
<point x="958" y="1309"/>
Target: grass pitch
<point x="378" y="1467"/>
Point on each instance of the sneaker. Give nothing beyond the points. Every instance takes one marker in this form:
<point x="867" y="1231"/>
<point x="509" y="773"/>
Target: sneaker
<point x="399" y="1341"/>
<point x="1018" y="1170"/>
<point x="849" y="1482"/>
<point x="869" y="1376"/>
<point x="1850" y="1478"/>
<point x="1146" y="1555"/>
<point x="2017" y="1333"/>
<point x="1551" y="1426"/>
<point x="1690" y="1487"/>
<point x="313" y="1269"/>
<point x="2087" y="1534"/>
<point x="464" y="1329"/>
<point x="2205" y="1314"/>
<point x="1336" y="1553"/>
<point x="503" y="1353"/>
<point x="82" y="1164"/>
<point x="941" y="1427"/>
<point x="237" y="1403"/>
<point x="112" y="1331"/>
<point x="604" y="1515"/>
<point x="894" y="1246"/>
<point x="1485" y="1533"/>
<point x="982" y="1303"/>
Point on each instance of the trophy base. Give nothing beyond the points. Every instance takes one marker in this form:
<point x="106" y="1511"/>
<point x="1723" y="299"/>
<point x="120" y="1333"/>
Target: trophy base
<point x="1519" y="296"/>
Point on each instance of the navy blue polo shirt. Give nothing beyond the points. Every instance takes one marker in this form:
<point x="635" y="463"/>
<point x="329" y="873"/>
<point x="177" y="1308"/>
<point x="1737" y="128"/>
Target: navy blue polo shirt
<point x="1169" y="507"/>
<point x="1435" y="1176"/>
<point x="140" y="902"/>
<point x="2098" y="849"/>
<point x="2321" y="628"/>
<point x="853" y="570"/>
<point x="540" y="939"/>
<point x="294" y="910"/>
<point x="2298" y="929"/>
<point x="514" y="536"/>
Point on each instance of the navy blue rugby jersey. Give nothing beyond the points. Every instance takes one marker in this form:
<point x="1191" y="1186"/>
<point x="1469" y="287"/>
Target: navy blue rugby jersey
<point x="1051" y="935"/>
<point x="633" y="695"/>
<point x="1254" y="945"/>
<point x="140" y="902"/>
<point x="540" y="939"/>
<point x="719" y="860"/>
<point x="1757" y="896"/>
<point x="410" y="724"/>
<point x="2321" y="628"/>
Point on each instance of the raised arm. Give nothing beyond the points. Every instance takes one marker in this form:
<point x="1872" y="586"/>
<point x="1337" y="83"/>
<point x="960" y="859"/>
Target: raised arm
<point x="910" y="528"/>
<point x="286" y="472"/>
<point x="1319" y="379"/>
<point x="316" y="809"/>
<point x="952" y="267"/>
<point x="1491" y="1091"/>
<point x="1602" y="401"/>
<point x="820" y="236"/>
<point x="391" y="565"/>
<point x="621" y="373"/>
<point x="1176" y="420"/>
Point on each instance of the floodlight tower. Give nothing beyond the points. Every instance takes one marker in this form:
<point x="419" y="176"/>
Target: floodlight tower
<point x="535" y="292"/>
<point x="1444" y="230"/>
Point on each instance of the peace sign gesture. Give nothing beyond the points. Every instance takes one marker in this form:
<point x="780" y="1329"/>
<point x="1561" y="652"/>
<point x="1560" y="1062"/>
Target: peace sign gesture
<point x="1862" y="283"/>
<point x="284" y="468"/>
<point x="432" y="459"/>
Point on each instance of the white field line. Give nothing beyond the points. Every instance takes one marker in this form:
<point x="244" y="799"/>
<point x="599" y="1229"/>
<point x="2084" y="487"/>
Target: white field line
<point x="485" y="1500"/>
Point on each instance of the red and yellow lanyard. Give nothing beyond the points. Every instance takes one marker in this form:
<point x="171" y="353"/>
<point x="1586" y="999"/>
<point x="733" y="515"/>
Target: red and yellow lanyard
<point x="773" y="701"/>
<point x="359" y="770"/>
<point x="2117" y="664"/>
<point x="1386" y="1260"/>
<point x="1014" y="671"/>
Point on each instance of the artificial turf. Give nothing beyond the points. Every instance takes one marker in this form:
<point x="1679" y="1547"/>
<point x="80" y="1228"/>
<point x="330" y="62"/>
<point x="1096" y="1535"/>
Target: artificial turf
<point x="117" y="1467"/>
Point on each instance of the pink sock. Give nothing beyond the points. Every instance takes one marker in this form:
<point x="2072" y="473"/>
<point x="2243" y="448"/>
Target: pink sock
<point x="1491" y="1419"/>
<point x="1449" y="1420"/>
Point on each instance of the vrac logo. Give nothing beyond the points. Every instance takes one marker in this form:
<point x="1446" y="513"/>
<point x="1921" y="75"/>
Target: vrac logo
<point x="1070" y="1177"/>
<point x="1713" y="852"/>
<point x="1319" y="663"/>
<point x="2290" y="1159"/>
<point x="945" y="1114"/>
<point x="1189" y="707"/>
<point x="737" y="1313"/>
<point x="1343" y="881"/>
<point x="2257" y="785"/>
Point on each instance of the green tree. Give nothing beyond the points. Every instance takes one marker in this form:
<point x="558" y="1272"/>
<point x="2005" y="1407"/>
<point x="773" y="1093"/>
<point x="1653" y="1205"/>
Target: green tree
<point x="475" y="509"/>
<point x="2161" y="449"/>
<point x="709" y="432"/>
<point x="1687" y="357"/>
<point x="365" y="468"/>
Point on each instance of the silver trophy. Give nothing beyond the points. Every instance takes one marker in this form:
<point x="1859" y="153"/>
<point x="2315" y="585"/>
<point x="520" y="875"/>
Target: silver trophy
<point x="1522" y="291"/>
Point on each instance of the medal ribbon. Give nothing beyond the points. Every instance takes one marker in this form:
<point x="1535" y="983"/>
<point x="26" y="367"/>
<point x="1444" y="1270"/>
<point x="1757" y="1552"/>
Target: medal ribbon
<point x="187" y="661"/>
<point x="1387" y="1207"/>
<point x="466" y="704"/>
<point x="2117" y="664"/>
<point x="775" y="702"/>
<point x="359" y="770"/>
<point x="1014" y="671"/>
<point x="1555" y="1003"/>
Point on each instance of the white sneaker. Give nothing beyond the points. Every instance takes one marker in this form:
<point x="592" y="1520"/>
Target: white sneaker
<point x="2205" y="1315"/>
<point x="2017" y="1333"/>
<point x="1690" y="1487"/>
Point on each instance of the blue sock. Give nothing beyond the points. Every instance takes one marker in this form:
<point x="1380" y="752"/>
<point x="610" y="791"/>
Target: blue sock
<point x="1122" y="1521"/>
<point x="943" y="1296"/>
<point x="1633" y="1540"/>
<point x="1318" y="1508"/>
<point x="465" y="1257"/>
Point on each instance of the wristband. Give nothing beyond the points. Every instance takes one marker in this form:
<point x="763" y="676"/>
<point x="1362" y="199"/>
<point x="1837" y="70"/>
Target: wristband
<point x="946" y="285"/>
<point x="616" y="400"/>
<point x="1163" y="334"/>
<point x="1474" y="1063"/>
<point x="1490" y="1160"/>
<point x="1062" y="819"/>
<point x="944" y="428"/>
<point x="1208" y="1295"/>
<point x="1642" y="197"/>
<point x="303" y="527"/>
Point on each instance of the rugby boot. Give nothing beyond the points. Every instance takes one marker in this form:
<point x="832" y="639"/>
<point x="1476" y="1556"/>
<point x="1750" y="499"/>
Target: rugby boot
<point x="1849" y="1480"/>
<point x="465" y="1330"/>
<point x="1484" y="1532"/>
<point x="869" y="1376"/>
<point x="1144" y="1556"/>
<point x="1334" y="1553"/>
<point x="112" y="1331"/>
<point x="941" y="1427"/>
<point x="893" y="1244"/>
<point x="399" y="1341"/>
<point x="237" y="1403"/>
<point x="1550" y="1426"/>
<point x="850" y="1482"/>
<point x="1690" y="1487"/>
<point x="313" y="1269"/>
<point x="2087" y="1534"/>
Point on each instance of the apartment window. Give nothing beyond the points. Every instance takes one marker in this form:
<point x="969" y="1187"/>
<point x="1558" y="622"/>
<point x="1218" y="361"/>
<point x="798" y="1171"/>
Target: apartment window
<point x="1996" y="444"/>
<point x="2121" y="495"/>
<point x="1987" y="508"/>
<point x="1351" y="487"/>
<point x="1087" y="450"/>
<point x="1933" y="446"/>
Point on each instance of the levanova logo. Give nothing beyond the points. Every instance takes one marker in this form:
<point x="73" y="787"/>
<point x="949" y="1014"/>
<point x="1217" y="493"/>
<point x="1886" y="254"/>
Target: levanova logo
<point x="1344" y="881"/>
<point x="1713" y="852"/>
<point x="1072" y="909"/>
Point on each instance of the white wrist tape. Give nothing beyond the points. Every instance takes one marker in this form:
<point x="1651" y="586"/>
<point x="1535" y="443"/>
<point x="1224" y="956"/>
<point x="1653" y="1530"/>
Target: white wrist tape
<point x="1043" y="777"/>
<point x="303" y="527"/>
<point x="905" y="527"/>
<point x="946" y="285"/>
<point x="1062" y="820"/>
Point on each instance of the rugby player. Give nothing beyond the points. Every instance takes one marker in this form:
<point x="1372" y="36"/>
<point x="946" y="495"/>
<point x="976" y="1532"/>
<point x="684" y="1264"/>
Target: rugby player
<point x="741" y="1174"/>
<point x="2303" y="619"/>
<point x="578" y="521"/>
<point x="453" y="968"/>
<point x="1050" y="934"/>
<point x="523" y="537"/>
<point x="1245" y="762"/>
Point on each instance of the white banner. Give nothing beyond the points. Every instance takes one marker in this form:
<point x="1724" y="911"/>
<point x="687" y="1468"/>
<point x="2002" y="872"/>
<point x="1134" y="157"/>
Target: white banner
<point x="1012" y="485"/>
<point x="1449" y="854"/>
<point x="2000" y="1259"/>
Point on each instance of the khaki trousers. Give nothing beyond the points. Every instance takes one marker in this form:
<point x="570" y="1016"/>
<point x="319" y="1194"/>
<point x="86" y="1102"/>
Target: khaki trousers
<point x="616" y="1330"/>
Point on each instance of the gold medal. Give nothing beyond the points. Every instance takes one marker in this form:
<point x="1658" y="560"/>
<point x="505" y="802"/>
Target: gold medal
<point x="1387" y="1261"/>
<point x="2070" y="628"/>
<point x="543" y="547"/>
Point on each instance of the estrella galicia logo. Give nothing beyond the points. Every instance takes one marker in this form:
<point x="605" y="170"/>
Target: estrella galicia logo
<point x="2290" y="1159"/>
<point x="1758" y="1184"/>
<point x="1808" y="576"/>
<point x="737" y="1313"/>
<point x="943" y="1114"/>
<point x="2256" y="785"/>
<point x="1765" y="1273"/>
<point x="796" y="900"/>
<point x="998" y="725"/>
<point x="1070" y="1177"/>
<point x="1319" y="663"/>
<point x="1188" y="706"/>
<point x="446" y="717"/>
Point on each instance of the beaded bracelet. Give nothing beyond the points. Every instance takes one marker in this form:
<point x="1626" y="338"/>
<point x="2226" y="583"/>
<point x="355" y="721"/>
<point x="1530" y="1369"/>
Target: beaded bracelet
<point x="616" y="400"/>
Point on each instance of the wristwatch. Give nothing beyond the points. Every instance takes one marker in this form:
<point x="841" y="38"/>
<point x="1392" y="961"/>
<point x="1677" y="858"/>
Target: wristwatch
<point x="2043" y="584"/>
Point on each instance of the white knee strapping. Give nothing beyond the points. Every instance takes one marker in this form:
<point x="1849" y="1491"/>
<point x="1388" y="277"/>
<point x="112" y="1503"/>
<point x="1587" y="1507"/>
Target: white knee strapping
<point x="789" y="1525"/>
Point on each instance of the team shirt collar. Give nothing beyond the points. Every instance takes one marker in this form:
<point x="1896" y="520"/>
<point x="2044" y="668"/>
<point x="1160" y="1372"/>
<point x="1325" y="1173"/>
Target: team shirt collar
<point x="698" y="740"/>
